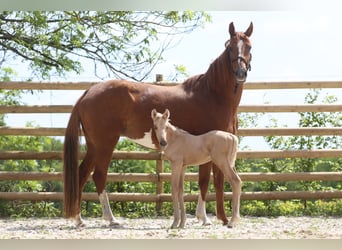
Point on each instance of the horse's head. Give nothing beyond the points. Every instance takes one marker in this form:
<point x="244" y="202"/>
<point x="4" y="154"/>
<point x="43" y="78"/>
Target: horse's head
<point x="239" y="49"/>
<point x="160" y="122"/>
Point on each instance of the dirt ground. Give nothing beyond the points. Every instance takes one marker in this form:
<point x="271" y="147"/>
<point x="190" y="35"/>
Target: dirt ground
<point x="159" y="228"/>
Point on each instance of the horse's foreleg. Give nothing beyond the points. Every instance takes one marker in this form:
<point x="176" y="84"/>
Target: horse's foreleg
<point x="219" y="190"/>
<point x="203" y="182"/>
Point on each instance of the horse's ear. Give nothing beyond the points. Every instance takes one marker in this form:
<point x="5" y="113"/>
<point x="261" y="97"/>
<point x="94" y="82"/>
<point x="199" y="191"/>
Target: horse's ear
<point x="166" y="114"/>
<point x="249" y="31"/>
<point x="231" y="29"/>
<point x="153" y="113"/>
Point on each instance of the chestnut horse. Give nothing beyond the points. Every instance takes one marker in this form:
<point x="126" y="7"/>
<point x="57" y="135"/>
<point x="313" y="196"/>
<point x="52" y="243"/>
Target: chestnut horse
<point x="183" y="149"/>
<point x="117" y="108"/>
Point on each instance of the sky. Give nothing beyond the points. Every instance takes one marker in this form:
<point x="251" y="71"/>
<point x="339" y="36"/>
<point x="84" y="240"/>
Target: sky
<point x="286" y="46"/>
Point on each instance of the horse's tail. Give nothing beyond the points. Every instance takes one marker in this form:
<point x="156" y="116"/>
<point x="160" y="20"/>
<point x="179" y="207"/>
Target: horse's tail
<point x="70" y="164"/>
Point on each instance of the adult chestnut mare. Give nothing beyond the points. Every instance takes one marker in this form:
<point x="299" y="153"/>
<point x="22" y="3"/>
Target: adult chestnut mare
<point x="117" y="108"/>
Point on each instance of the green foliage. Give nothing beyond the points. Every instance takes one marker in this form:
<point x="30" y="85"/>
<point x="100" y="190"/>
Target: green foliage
<point x="125" y="44"/>
<point x="27" y="208"/>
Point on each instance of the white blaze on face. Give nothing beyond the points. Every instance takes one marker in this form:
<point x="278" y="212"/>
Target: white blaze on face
<point x="145" y="141"/>
<point x="239" y="45"/>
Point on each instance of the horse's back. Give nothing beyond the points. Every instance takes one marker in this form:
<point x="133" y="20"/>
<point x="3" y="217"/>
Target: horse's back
<point x="218" y="140"/>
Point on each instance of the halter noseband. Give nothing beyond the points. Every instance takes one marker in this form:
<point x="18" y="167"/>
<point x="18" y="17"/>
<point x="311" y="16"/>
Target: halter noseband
<point x="248" y="64"/>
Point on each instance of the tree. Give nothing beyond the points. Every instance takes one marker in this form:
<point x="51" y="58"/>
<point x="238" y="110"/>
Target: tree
<point x="123" y="44"/>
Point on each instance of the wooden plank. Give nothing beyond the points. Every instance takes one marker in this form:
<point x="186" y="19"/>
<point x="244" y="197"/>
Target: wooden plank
<point x="46" y="85"/>
<point x="40" y="131"/>
<point x="245" y="154"/>
<point x="143" y="197"/>
<point x="272" y="154"/>
<point x="288" y="131"/>
<point x="166" y="177"/>
<point x="242" y="108"/>
<point x="291" y="108"/>
<point x="292" y="85"/>
<point x="57" y="155"/>
<point x="247" y="85"/>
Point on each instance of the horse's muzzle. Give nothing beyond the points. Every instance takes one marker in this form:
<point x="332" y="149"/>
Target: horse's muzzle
<point x="241" y="75"/>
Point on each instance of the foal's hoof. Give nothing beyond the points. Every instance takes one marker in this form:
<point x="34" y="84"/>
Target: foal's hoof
<point x="233" y="223"/>
<point x="116" y="224"/>
<point x="80" y="223"/>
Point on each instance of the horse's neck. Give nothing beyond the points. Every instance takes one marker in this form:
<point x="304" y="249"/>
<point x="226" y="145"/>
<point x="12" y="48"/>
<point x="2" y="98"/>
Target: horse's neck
<point x="220" y="77"/>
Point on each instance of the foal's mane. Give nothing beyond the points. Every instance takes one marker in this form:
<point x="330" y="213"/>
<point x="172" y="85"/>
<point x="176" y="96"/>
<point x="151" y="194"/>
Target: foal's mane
<point x="174" y="128"/>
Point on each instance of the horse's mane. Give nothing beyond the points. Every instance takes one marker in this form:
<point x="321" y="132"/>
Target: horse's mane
<point x="216" y="75"/>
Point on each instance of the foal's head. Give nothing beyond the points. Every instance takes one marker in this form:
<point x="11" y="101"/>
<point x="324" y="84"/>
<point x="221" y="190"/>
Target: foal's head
<point x="160" y="122"/>
<point x="239" y="47"/>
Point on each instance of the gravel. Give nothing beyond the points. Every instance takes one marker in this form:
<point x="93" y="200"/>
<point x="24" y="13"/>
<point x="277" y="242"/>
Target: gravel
<point x="159" y="228"/>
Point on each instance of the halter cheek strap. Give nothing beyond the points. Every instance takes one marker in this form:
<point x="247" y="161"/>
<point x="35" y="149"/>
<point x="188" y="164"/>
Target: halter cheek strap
<point x="248" y="64"/>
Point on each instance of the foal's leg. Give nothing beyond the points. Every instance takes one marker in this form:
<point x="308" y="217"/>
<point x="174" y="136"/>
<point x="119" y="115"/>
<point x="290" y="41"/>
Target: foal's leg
<point x="176" y="170"/>
<point x="236" y="184"/>
<point x="181" y="198"/>
<point x="203" y="181"/>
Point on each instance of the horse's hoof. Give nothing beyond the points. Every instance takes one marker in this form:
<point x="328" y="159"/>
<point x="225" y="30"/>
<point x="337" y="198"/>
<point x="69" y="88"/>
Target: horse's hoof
<point x="206" y="221"/>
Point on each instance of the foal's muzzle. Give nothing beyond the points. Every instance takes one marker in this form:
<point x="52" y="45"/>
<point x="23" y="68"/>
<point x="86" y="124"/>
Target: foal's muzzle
<point x="163" y="143"/>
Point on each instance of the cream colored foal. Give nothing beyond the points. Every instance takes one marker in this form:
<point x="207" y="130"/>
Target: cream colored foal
<point x="183" y="149"/>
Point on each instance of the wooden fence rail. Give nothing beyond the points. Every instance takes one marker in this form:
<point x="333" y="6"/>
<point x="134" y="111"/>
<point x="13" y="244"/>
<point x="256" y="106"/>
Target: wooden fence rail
<point x="246" y="154"/>
<point x="160" y="177"/>
<point x="40" y="131"/>
<point x="242" y="108"/>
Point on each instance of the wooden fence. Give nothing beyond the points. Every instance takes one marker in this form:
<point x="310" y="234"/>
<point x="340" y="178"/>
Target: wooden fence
<point x="159" y="177"/>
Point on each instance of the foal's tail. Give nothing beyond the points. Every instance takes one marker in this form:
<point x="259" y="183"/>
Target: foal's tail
<point x="70" y="164"/>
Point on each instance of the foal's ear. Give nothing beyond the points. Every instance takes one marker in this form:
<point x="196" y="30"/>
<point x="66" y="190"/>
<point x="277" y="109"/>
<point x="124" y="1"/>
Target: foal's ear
<point x="166" y="114"/>
<point x="249" y="31"/>
<point x="153" y="113"/>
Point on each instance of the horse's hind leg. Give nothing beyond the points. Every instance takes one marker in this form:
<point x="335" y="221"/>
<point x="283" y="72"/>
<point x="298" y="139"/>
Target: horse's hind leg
<point x="84" y="172"/>
<point x="102" y="160"/>
<point x="203" y="181"/>
<point x="219" y="185"/>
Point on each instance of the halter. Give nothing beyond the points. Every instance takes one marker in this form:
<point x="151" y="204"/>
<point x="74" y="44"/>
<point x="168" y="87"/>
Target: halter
<point x="248" y="64"/>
